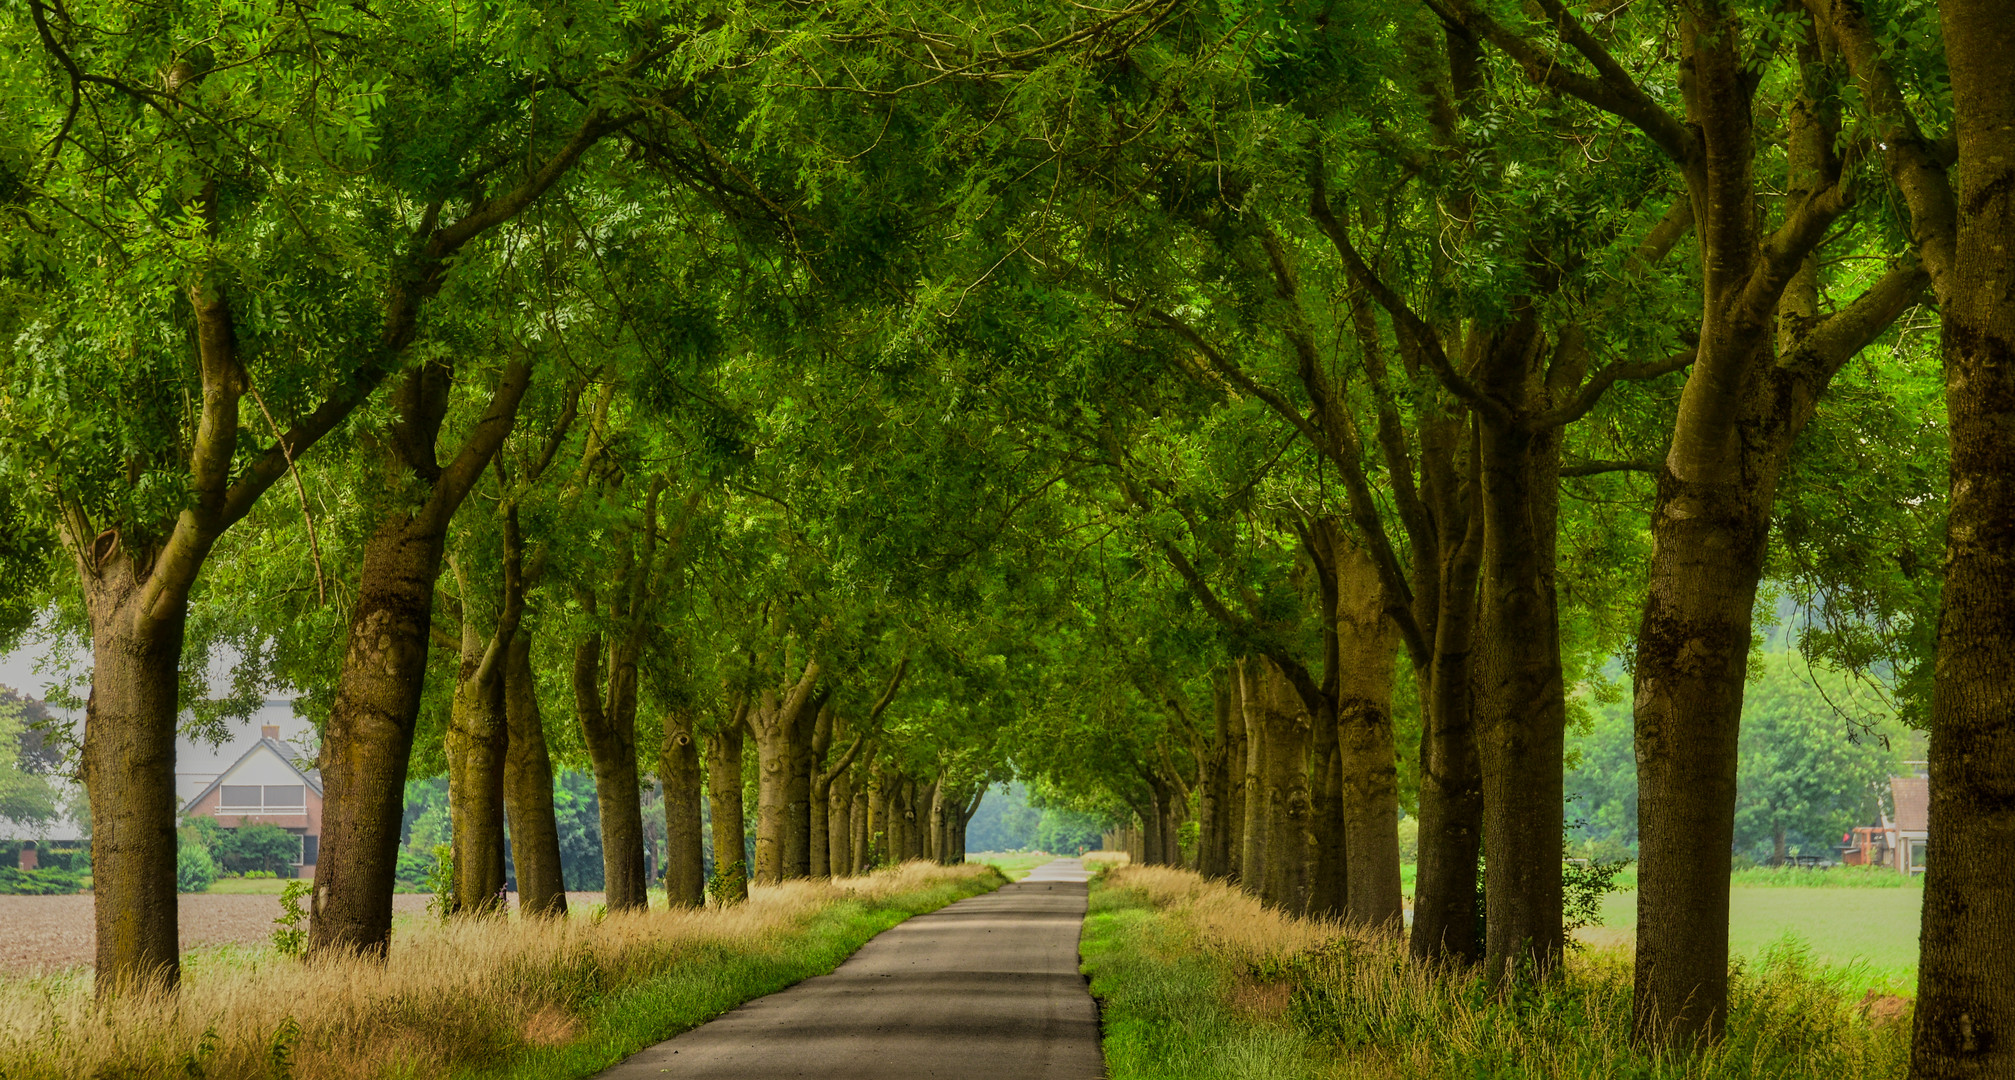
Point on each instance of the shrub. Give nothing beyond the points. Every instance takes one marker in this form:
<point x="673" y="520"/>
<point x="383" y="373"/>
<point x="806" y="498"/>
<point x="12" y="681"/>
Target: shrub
<point x="290" y="934"/>
<point x="195" y="871"/>
<point x="258" y="849"/>
<point x="55" y="882"/>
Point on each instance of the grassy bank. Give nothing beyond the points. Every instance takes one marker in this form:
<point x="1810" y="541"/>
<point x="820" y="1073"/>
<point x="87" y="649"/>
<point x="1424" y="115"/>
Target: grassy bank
<point x="474" y="998"/>
<point x="1196" y="980"/>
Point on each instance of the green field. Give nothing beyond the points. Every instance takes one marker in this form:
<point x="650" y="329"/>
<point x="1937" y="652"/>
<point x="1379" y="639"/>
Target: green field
<point x="1014" y="865"/>
<point x="1874" y="929"/>
<point x="248" y="886"/>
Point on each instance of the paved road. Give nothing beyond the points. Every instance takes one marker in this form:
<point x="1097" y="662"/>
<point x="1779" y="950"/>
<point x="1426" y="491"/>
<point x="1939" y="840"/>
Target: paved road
<point x="987" y="986"/>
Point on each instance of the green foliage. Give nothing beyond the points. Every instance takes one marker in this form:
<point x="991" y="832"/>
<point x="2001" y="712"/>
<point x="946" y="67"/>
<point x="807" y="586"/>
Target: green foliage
<point x="194" y="869"/>
<point x="26" y="797"/>
<point x="1816" y="748"/>
<point x="41" y="882"/>
<point x="1809" y="769"/>
<point x="441" y="882"/>
<point x="1583" y="884"/>
<point x="290" y="932"/>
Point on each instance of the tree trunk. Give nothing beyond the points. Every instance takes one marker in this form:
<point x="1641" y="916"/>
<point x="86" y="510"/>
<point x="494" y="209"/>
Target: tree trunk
<point x="1521" y="701"/>
<point x="679" y="770"/>
<point x="1149" y="815"/>
<point x="528" y="790"/>
<point x="476" y="749"/>
<point x="939" y="846"/>
<point x="724" y="799"/>
<point x="609" y="728"/>
<point x="1445" y="914"/>
<point x="821" y="796"/>
<point x="840" y="825"/>
<point x="1328" y="884"/>
<point x="369" y="738"/>
<point x="773" y="787"/>
<point x="129" y="771"/>
<point x="1215" y="829"/>
<point x="909" y="819"/>
<point x="1965" y="1015"/>
<point x="478" y="742"/>
<point x="368" y="741"/>
<point x="879" y="834"/>
<point x="1288" y="804"/>
<point x="1258" y="805"/>
<point x="775" y="722"/>
<point x="863" y="833"/>
<point x="1235" y="761"/>
<point x="798" y="841"/>
<point x="1366" y="642"/>
<point x="966" y="820"/>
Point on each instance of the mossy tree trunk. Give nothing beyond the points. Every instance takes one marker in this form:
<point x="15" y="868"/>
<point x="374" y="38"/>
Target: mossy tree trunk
<point x="724" y="800"/>
<point x="368" y="741"/>
<point x="528" y="789"/>
<point x="679" y="771"/>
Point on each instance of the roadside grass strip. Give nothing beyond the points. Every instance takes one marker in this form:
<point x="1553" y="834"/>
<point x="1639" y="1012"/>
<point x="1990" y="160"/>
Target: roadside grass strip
<point x="1196" y="979"/>
<point x="475" y="997"/>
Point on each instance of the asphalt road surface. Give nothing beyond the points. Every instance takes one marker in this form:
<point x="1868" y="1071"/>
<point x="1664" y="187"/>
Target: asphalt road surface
<point x="985" y="987"/>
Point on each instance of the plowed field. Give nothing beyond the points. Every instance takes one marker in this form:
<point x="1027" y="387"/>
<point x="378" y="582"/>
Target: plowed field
<point x="50" y="933"/>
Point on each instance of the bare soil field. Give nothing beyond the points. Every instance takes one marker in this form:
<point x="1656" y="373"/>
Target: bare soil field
<point x="46" y="934"/>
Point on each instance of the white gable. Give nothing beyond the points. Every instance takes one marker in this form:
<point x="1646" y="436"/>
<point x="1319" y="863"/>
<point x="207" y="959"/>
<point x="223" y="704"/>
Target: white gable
<point x="262" y="766"/>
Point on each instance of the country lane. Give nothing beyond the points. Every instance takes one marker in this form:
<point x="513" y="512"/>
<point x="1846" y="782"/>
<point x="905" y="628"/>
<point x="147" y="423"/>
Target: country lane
<point x="986" y="986"/>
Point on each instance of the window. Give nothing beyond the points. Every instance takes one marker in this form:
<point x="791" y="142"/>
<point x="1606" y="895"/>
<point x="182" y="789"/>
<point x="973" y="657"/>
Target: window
<point x="311" y="847"/>
<point x="272" y="798"/>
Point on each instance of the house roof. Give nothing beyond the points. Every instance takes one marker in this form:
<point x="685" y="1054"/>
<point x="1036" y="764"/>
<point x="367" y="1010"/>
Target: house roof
<point x="1913" y="802"/>
<point x="287" y="755"/>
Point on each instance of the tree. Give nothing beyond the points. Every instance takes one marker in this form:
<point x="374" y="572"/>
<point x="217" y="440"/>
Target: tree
<point x="1809" y="769"/>
<point x="26" y="797"/>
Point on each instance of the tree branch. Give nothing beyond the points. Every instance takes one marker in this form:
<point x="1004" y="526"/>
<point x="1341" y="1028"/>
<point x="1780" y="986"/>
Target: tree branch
<point x="1599" y="384"/>
<point x="461" y="474"/>
<point x="1613" y="92"/>
<point x="1404" y="319"/>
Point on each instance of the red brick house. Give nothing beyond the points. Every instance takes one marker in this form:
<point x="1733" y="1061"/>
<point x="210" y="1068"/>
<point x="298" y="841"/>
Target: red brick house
<point x="265" y="786"/>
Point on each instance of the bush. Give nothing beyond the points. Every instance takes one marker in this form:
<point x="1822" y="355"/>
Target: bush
<point x="194" y="869"/>
<point x="259" y="849"/>
<point x="1409" y="840"/>
<point x="53" y="882"/>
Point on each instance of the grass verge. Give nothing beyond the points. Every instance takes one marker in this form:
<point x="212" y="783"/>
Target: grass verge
<point x="487" y="997"/>
<point x="1196" y="980"/>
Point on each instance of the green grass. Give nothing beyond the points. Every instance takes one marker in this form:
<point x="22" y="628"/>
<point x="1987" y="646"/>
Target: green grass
<point x="1191" y="992"/>
<point x="1870" y="933"/>
<point x="717" y="980"/>
<point x="1165" y="1011"/>
<point x="1837" y="877"/>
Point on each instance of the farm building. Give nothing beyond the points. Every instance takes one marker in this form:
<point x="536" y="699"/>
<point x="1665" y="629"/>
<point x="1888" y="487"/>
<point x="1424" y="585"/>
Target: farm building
<point x="267" y="783"/>
<point x="1899" y="836"/>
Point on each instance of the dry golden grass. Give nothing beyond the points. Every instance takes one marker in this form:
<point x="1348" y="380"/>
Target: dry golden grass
<point x="1109" y="858"/>
<point x="449" y="993"/>
<point x="1349" y="1002"/>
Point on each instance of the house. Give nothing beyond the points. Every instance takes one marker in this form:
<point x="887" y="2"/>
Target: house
<point x="267" y="784"/>
<point x="1901" y="832"/>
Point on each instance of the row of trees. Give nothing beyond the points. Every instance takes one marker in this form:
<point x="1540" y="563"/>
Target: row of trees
<point x="1248" y="415"/>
